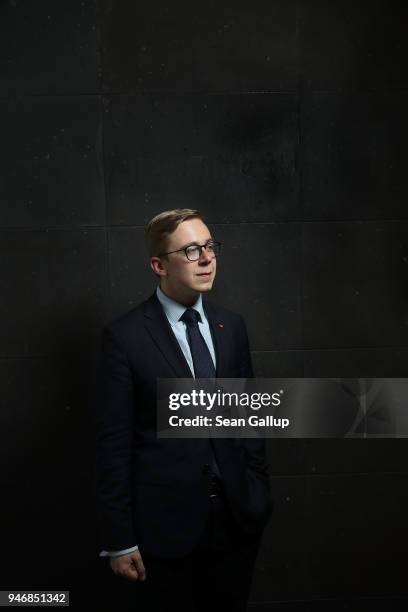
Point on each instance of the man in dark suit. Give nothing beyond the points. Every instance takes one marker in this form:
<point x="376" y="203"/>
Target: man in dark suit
<point x="181" y="518"/>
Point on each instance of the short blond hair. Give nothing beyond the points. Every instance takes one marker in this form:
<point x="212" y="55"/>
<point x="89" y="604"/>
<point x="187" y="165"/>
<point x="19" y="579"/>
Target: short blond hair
<point x="165" y="223"/>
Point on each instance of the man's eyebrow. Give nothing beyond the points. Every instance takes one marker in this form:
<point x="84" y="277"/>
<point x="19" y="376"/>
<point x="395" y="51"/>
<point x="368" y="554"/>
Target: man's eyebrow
<point x="195" y="243"/>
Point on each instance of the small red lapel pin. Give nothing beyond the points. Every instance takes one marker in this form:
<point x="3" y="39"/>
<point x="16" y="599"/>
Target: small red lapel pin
<point x="220" y="325"/>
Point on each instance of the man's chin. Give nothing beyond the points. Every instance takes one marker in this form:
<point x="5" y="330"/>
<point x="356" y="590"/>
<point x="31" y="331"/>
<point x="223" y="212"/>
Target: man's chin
<point x="204" y="287"/>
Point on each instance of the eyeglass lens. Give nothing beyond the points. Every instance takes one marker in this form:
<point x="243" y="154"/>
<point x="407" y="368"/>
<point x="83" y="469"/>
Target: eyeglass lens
<point x="194" y="251"/>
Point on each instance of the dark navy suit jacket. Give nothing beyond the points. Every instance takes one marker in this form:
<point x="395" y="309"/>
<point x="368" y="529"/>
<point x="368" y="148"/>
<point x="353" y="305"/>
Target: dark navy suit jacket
<point x="152" y="491"/>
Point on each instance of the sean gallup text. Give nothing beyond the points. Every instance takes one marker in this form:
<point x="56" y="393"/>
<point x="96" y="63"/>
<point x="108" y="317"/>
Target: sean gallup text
<point x="219" y="421"/>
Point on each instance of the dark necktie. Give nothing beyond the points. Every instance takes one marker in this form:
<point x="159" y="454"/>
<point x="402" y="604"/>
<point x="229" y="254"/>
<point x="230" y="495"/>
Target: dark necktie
<point x="202" y="360"/>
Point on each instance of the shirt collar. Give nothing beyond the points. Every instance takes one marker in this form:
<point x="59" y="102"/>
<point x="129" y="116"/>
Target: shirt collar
<point x="174" y="310"/>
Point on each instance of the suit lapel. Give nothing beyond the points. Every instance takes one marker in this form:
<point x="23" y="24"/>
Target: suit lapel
<point x="160" y="330"/>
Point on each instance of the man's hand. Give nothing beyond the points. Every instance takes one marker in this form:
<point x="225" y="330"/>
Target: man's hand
<point x="129" y="566"/>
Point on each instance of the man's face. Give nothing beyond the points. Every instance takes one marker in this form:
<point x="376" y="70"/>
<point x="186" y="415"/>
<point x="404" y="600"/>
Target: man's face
<point x="181" y="278"/>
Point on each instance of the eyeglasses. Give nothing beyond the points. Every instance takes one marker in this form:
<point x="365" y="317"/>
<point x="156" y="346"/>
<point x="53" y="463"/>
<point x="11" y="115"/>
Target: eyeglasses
<point x="193" y="251"/>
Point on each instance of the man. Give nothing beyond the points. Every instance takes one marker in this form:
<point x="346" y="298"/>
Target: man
<point x="181" y="518"/>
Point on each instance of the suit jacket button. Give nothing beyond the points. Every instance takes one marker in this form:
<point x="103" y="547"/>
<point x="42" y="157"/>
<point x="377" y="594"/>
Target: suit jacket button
<point x="207" y="469"/>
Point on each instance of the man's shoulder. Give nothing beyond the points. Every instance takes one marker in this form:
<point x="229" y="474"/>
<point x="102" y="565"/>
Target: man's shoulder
<point x="129" y="319"/>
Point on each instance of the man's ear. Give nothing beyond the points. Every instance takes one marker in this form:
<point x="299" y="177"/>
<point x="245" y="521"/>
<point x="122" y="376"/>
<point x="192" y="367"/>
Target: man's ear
<point x="157" y="266"/>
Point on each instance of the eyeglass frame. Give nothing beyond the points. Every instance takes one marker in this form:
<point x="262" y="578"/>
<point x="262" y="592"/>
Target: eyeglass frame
<point x="201" y="247"/>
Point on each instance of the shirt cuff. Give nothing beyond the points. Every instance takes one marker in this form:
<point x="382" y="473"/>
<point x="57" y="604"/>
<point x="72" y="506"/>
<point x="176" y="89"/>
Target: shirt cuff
<point x="117" y="553"/>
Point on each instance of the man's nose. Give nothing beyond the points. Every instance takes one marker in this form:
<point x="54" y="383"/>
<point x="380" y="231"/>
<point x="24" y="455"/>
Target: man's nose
<point x="205" y="255"/>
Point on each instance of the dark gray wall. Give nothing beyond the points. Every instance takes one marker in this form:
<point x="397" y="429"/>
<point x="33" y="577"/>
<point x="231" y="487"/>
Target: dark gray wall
<point x="285" y="123"/>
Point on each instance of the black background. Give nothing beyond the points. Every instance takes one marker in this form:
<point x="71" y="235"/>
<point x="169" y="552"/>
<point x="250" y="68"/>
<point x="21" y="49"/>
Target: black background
<point x="285" y="123"/>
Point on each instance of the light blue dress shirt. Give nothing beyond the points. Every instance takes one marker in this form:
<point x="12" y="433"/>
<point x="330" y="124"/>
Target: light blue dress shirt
<point x="173" y="311"/>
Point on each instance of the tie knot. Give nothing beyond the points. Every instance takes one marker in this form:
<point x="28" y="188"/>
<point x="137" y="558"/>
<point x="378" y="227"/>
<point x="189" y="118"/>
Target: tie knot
<point x="190" y="316"/>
